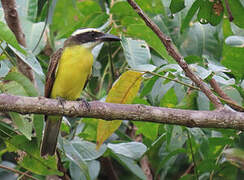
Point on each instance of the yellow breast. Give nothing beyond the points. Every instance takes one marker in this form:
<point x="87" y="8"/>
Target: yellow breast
<point x="74" y="68"/>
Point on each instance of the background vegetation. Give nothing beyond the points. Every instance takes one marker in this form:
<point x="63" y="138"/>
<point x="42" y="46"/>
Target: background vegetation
<point x="201" y="31"/>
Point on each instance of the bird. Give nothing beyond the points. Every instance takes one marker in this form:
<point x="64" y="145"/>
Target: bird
<point x="68" y="71"/>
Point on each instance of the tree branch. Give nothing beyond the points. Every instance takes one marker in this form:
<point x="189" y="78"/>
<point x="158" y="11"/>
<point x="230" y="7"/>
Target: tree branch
<point x="108" y="111"/>
<point x="222" y="94"/>
<point x="178" y="58"/>
<point x="12" y="19"/>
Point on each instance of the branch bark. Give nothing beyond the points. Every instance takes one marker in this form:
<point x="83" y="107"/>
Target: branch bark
<point x="12" y="19"/>
<point x="167" y="42"/>
<point x="108" y="111"/>
<point x="222" y="94"/>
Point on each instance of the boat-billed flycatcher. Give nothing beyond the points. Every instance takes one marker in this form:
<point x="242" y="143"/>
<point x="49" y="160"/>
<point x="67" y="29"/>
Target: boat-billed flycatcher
<point x="68" y="72"/>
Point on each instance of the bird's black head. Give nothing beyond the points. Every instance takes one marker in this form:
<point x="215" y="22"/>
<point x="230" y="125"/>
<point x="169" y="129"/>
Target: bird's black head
<point x="89" y="37"/>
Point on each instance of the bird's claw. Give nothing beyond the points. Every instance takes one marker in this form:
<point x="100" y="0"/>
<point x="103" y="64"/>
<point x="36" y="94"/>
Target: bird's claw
<point x="85" y="102"/>
<point x="61" y="101"/>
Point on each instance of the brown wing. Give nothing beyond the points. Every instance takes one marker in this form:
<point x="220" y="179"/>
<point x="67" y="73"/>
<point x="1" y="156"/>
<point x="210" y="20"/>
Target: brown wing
<point x="52" y="71"/>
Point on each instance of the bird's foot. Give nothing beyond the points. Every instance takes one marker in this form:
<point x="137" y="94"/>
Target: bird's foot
<point x="85" y="102"/>
<point x="61" y="101"/>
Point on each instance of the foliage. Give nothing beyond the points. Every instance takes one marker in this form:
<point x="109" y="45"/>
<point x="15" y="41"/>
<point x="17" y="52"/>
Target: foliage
<point x="201" y="32"/>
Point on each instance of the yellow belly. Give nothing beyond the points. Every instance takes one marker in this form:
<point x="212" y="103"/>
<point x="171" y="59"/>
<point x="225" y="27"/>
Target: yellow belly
<point x="74" y="68"/>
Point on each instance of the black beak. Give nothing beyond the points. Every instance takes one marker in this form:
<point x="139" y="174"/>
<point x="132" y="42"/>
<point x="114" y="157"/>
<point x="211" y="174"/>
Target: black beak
<point x="108" y="37"/>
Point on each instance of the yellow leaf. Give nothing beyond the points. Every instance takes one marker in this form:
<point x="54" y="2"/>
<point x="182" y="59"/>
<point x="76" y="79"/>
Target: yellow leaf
<point x="123" y="91"/>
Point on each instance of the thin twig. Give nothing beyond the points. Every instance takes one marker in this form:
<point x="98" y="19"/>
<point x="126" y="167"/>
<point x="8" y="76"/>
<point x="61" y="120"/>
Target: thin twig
<point x="102" y="79"/>
<point x="175" y="80"/>
<point x="231" y="18"/>
<point x="229" y="101"/>
<point x="61" y="167"/>
<point x="188" y="170"/>
<point x="43" y="30"/>
<point x="115" y="52"/>
<point x="222" y="94"/>
<point x="111" y="65"/>
<point x="17" y="171"/>
<point x="178" y="57"/>
<point x="217" y="161"/>
<point x="192" y="154"/>
<point x="144" y="162"/>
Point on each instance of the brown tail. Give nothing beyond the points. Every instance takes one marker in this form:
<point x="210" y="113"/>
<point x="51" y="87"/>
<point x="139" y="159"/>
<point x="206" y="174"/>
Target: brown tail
<point x="50" y="137"/>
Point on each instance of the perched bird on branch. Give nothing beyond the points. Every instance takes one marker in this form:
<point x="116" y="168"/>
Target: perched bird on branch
<point x="67" y="75"/>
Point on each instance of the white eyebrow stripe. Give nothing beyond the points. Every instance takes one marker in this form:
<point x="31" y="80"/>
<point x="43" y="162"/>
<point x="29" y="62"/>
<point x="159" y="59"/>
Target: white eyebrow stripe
<point x="80" y="31"/>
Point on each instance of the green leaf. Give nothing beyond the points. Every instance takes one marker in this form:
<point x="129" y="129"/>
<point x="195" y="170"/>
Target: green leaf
<point x="34" y="31"/>
<point x="30" y="60"/>
<point x="200" y="71"/>
<point x="191" y="12"/>
<point x="81" y="151"/>
<point x="6" y="131"/>
<point x="148" y="86"/>
<point x="23" y="123"/>
<point x="7" y="35"/>
<point x="85" y="150"/>
<point x="202" y="101"/>
<point x="194" y="60"/>
<point x="71" y="18"/>
<point x="137" y="53"/>
<point x="32" y="161"/>
<point x="204" y="12"/>
<point x="235" y="155"/>
<point x="38" y="123"/>
<point x="18" y="84"/>
<point x="176" y="6"/>
<point x="130" y="164"/>
<point x="233" y="58"/>
<point x="78" y="174"/>
<point x="122" y="9"/>
<point x="233" y="94"/>
<point x="23" y="81"/>
<point x="168" y="157"/>
<point x="4" y="69"/>
<point x="169" y="99"/>
<point x="217" y="12"/>
<point x="160" y="88"/>
<point x="32" y="10"/>
<point x="141" y="31"/>
<point x="133" y="150"/>
<point x="75" y="16"/>
<point x="203" y="40"/>
<point x="13" y="87"/>
<point x="96" y="20"/>
<point x="147" y="129"/>
<point x="235" y="41"/>
<point x="77" y="160"/>
<point x="189" y="101"/>
<point x="237" y="10"/>
<point x="177" y="138"/>
<point x="90" y="131"/>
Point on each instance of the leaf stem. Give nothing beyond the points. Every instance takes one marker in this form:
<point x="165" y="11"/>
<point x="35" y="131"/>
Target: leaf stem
<point x="17" y="171"/>
<point x="192" y="154"/>
<point x="228" y="101"/>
